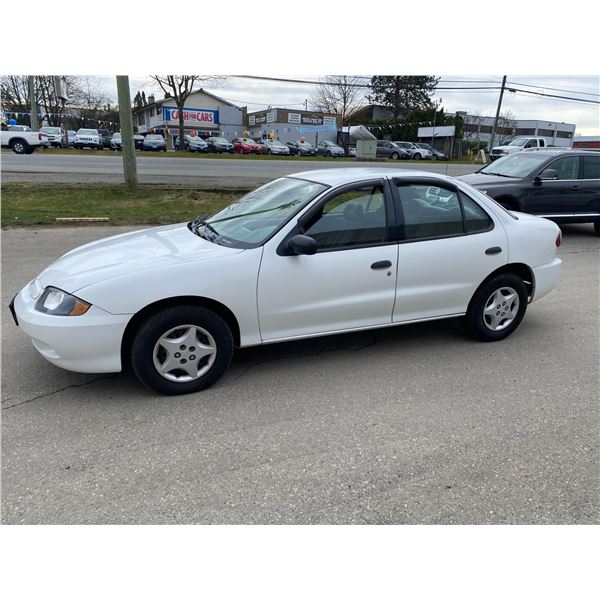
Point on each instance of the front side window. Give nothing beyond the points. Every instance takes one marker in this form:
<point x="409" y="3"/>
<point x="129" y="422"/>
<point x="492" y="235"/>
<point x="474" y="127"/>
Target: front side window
<point x="356" y="217"/>
<point x="566" y="167"/>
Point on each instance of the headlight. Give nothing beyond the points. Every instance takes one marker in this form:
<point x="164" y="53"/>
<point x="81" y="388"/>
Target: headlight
<point x="56" y="302"/>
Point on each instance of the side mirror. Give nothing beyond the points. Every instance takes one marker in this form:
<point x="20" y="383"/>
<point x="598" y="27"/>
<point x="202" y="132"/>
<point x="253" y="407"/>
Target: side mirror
<point x="302" y="244"/>
<point x="550" y="174"/>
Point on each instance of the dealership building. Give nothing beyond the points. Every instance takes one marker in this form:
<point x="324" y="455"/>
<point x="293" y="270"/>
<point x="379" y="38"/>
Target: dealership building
<point x="287" y="125"/>
<point x="204" y="114"/>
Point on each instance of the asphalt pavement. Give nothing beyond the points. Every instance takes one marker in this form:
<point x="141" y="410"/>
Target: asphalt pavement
<point x="62" y="168"/>
<point x="415" y="424"/>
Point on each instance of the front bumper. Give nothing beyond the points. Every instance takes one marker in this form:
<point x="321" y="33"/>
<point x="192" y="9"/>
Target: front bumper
<point x="90" y="343"/>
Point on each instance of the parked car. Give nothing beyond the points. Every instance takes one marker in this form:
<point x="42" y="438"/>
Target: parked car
<point x="561" y="185"/>
<point x="193" y="143"/>
<point x="516" y="145"/>
<point x="55" y="135"/>
<point x="87" y="138"/>
<point x="386" y="149"/>
<point x="218" y="144"/>
<point x="298" y="148"/>
<point x="106" y="138"/>
<point x="435" y="154"/>
<point x="245" y="145"/>
<point x="20" y="139"/>
<point x="154" y="142"/>
<point x="272" y="147"/>
<point x="415" y="152"/>
<point x="327" y="148"/>
<point x="116" y="142"/>
<point x="138" y="141"/>
<point x="306" y="255"/>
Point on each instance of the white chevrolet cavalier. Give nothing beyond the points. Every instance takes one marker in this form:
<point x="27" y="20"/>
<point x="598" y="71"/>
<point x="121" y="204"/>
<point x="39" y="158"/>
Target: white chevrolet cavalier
<point x="312" y="254"/>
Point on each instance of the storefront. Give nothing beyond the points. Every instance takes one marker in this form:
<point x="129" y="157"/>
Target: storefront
<point x="287" y="125"/>
<point x="204" y="115"/>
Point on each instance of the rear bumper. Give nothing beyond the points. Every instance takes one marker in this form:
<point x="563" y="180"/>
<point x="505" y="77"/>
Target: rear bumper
<point x="546" y="278"/>
<point x="90" y="343"/>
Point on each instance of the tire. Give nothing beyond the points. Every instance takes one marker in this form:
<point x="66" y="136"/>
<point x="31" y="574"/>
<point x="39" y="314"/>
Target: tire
<point x="269" y="151"/>
<point x="330" y="154"/>
<point x="181" y="323"/>
<point x="486" y="322"/>
<point x="597" y="227"/>
<point x="417" y="156"/>
<point x="30" y="150"/>
<point x="395" y="156"/>
<point x="434" y="157"/>
<point x="20" y="147"/>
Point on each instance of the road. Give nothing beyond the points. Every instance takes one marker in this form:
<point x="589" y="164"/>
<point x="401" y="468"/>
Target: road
<point x="416" y="424"/>
<point x="60" y="168"/>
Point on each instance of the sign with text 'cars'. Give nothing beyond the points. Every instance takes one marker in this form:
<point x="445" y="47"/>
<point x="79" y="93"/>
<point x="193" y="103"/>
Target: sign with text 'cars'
<point x="191" y="116"/>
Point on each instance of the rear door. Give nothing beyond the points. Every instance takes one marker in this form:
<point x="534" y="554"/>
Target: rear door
<point x="449" y="245"/>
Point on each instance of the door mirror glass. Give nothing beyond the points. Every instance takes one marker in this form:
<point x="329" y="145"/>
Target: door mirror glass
<point x="302" y="244"/>
<point x="549" y="174"/>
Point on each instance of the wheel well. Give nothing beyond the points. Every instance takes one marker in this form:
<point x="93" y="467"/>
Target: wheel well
<point x="145" y="312"/>
<point x="520" y="270"/>
<point x="14" y="140"/>
<point x="509" y="201"/>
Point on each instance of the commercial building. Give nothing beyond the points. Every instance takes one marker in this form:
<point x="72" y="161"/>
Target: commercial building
<point x="204" y="114"/>
<point x="287" y="125"/>
<point x="479" y="128"/>
<point x="590" y="142"/>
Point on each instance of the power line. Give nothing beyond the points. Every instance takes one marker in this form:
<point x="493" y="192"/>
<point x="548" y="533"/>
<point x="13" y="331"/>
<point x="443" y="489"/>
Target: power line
<point x="513" y="89"/>
<point x="553" y="88"/>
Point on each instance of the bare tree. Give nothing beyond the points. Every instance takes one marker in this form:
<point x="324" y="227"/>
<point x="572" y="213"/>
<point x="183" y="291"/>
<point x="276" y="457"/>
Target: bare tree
<point x="339" y="94"/>
<point x="179" y="87"/>
<point x="507" y="125"/>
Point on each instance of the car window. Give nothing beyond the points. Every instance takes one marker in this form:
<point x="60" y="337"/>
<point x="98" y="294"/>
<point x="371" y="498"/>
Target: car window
<point x="352" y="218"/>
<point x="591" y="167"/>
<point x="428" y="213"/>
<point x="567" y="167"/>
<point x="476" y="219"/>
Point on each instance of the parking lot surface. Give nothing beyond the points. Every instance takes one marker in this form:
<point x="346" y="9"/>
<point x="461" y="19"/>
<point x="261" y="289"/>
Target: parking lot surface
<point x="415" y="424"/>
<point x="41" y="167"/>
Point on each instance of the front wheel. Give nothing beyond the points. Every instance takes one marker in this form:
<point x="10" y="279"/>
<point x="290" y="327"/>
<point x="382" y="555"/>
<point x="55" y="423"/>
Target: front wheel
<point x="417" y="156"/>
<point x="434" y="157"/>
<point x="181" y="349"/>
<point x="497" y="308"/>
<point x="395" y="156"/>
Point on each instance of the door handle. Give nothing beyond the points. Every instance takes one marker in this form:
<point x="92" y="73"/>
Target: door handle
<point x="574" y="187"/>
<point x="494" y="250"/>
<point x="382" y="264"/>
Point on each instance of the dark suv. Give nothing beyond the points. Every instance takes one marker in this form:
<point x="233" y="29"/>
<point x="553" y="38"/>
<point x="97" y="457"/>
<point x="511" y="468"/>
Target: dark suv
<point x="561" y="185"/>
<point x="105" y="138"/>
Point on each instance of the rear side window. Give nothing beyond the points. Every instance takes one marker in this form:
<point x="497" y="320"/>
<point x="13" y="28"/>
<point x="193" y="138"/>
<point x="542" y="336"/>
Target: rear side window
<point x="433" y="212"/>
<point x="591" y="167"/>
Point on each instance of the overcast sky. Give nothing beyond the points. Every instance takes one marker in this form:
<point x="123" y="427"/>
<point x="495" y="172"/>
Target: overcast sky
<point x="258" y="95"/>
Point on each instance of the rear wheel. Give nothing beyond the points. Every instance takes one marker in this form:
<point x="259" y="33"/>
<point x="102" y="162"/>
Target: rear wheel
<point x="20" y="147"/>
<point x="434" y="157"/>
<point x="497" y="308"/>
<point x="181" y="349"/>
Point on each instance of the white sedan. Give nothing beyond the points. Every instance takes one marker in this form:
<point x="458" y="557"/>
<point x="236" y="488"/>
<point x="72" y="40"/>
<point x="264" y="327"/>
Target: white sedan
<point x="316" y="253"/>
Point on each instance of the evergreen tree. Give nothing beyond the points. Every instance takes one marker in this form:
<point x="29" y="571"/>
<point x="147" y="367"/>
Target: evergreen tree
<point x="403" y="93"/>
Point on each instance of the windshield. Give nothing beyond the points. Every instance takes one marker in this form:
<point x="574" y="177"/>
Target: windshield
<point x="155" y="137"/>
<point x="221" y="140"/>
<point x="247" y="141"/>
<point x="249" y="221"/>
<point x="519" y="164"/>
<point x="87" y="132"/>
<point x="518" y="142"/>
<point x="116" y="136"/>
<point x="52" y="130"/>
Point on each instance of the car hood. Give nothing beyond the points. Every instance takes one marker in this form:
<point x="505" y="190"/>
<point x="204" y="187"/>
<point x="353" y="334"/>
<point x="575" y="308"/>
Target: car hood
<point x="145" y="250"/>
<point x="483" y="180"/>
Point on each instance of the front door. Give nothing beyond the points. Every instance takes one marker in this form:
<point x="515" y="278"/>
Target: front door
<point x="349" y="283"/>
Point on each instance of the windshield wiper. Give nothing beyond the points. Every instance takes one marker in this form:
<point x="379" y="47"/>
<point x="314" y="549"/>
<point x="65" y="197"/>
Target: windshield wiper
<point x="208" y="228"/>
<point x="501" y="175"/>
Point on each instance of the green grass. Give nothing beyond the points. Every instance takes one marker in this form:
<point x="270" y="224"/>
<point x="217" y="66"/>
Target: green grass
<point x="35" y="204"/>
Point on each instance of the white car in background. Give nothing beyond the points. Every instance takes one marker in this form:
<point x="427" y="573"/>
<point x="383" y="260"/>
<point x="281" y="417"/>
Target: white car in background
<point x="55" y="135"/>
<point x="312" y="254"/>
<point x="87" y="138"/>
<point x="415" y="151"/>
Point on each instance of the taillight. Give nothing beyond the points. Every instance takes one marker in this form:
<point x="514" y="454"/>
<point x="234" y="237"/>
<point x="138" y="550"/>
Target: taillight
<point x="558" y="241"/>
<point x="39" y="136"/>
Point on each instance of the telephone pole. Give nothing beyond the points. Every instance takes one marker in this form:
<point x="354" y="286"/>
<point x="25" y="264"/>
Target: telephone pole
<point x="126" y="120"/>
<point x="33" y="106"/>
<point x="497" y="113"/>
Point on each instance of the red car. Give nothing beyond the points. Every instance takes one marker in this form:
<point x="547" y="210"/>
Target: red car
<point x="245" y="145"/>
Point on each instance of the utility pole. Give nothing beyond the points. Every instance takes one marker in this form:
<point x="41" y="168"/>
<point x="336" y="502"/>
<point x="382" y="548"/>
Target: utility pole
<point x="126" y="120"/>
<point x="33" y="106"/>
<point x="497" y="113"/>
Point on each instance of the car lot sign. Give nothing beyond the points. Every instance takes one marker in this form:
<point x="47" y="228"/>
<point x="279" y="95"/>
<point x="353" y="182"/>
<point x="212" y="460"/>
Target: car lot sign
<point x="191" y="116"/>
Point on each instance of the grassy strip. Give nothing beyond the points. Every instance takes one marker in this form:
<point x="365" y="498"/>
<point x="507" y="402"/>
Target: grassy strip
<point x="35" y="204"/>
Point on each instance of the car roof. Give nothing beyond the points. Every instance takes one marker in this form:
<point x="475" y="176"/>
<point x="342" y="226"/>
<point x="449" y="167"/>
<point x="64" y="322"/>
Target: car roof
<point x="553" y="151"/>
<point x="343" y="175"/>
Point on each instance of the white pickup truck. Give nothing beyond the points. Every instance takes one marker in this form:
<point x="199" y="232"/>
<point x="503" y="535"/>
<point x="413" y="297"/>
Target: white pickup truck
<point x="20" y="139"/>
<point x="516" y="145"/>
